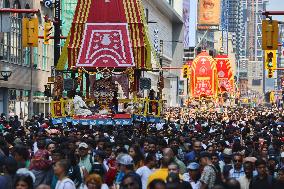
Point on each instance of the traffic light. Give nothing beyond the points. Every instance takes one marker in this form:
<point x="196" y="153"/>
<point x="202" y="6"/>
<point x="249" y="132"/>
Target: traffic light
<point x="185" y="71"/>
<point x="29" y="32"/>
<point x="270" y="59"/>
<point x="270" y="73"/>
<point x="270" y="62"/>
<point x="47" y="32"/>
<point x="270" y="32"/>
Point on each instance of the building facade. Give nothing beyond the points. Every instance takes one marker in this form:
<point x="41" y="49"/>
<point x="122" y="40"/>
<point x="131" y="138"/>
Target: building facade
<point x="244" y="21"/>
<point x="30" y="67"/>
<point x="166" y="24"/>
<point x="236" y="25"/>
<point x="280" y="58"/>
<point x="255" y="77"/>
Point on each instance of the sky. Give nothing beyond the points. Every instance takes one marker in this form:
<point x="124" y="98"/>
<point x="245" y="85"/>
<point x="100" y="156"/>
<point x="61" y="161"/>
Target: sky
<point x="276" y="5"/>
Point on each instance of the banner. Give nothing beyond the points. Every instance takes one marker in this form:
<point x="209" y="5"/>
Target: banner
<point x="106" y="45"/>
<point x="209" y="14"/>
<point x="193" y="23"/>
<point x="120" y="36"/>
<point x="190" y="22"/>
<point x="186" y="21"/>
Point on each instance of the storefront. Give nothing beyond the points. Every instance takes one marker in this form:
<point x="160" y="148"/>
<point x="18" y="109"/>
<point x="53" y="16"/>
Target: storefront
<point x="41" y="104"/>
<point x="18" y="103"/>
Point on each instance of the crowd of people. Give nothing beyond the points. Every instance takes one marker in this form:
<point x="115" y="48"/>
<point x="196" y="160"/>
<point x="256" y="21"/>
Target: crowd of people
<point x="232" y="148"/>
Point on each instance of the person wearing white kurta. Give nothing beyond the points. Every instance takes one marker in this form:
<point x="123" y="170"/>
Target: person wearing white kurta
<point x="245" y="180"/>
<point x="80" y="107"/>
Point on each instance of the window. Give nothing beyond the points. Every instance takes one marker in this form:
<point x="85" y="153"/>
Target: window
<point x="4" y="48"/>
<point x="27" y="57"/>
<point x="35" y="57"/>
<point x="44" y="57"/>
<point x="67" y="11"/>
<point x="6" y="4"/>
<point x="16" y="37"/>
<point x="12" y="94"/>
<point x="147" y="15"/>
<point x="256" y="82"/>
<point x="11" y="43"/>
<point x="15" y="41"/>
<point x="171" y="2"/>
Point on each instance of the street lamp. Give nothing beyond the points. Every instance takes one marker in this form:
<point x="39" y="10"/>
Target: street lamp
<point x="5" y="73"/>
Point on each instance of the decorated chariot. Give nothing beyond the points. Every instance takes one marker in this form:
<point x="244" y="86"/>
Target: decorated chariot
<point x="107" y="50"/>
<point x="211" y="79"/>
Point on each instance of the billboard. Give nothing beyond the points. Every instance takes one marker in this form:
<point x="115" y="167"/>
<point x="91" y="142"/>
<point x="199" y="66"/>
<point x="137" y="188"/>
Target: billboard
<point x="190" y="22"/>
<point x="209" y="12"/>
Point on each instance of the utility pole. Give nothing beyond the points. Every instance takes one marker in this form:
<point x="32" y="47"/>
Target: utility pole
<point x="30" y="40"/>
<point x="31" y="100"/>
<point x="57" y="31"/>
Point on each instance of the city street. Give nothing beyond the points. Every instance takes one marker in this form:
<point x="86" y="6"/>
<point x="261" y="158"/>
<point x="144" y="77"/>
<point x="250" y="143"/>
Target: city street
<point x="141" y="94"/>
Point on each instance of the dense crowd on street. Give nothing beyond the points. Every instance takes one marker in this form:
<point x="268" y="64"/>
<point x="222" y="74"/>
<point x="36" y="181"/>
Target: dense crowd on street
<point x="230" y="148"/>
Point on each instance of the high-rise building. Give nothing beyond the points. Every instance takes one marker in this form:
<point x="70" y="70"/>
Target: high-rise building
<point x="166" y="24"/>
<point x="243" y="19"/>
<point x="252" y="19"/>
<point x="280" y="58"/>
<point x="231" y="22"/>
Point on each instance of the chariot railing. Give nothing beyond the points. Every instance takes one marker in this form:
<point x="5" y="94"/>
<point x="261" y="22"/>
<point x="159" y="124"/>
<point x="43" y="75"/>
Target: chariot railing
<point x="137" y="106"/>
